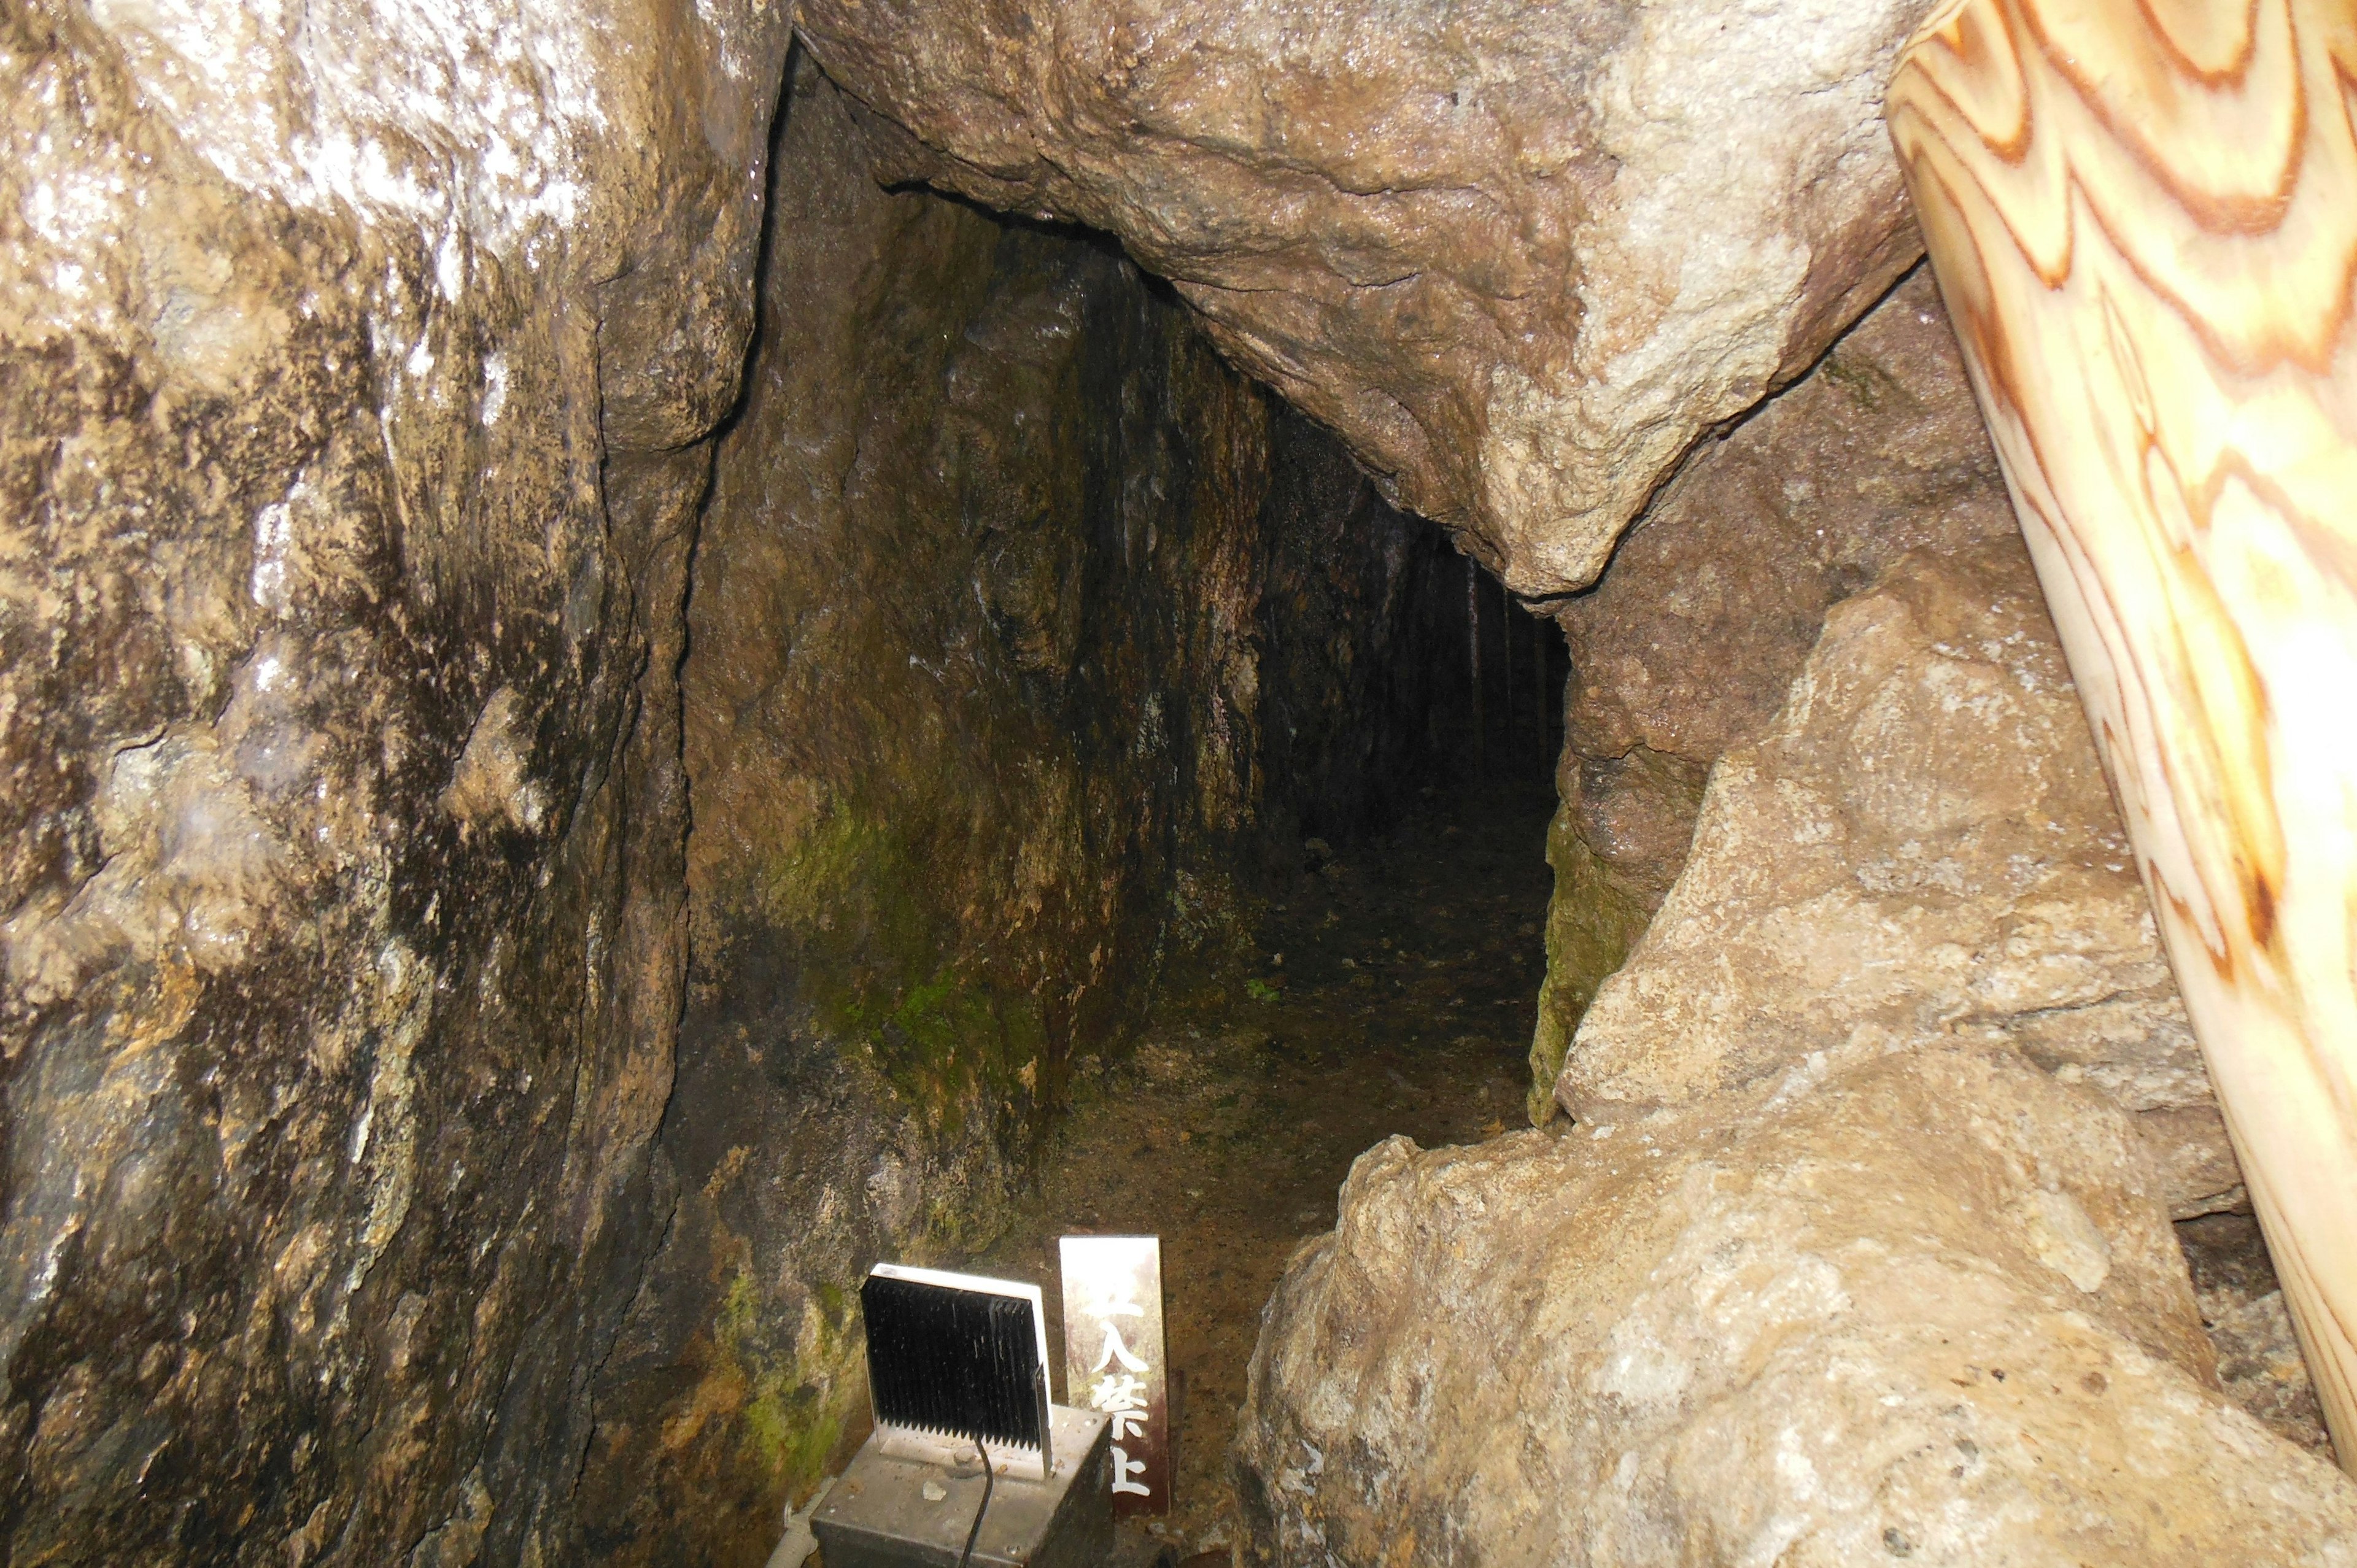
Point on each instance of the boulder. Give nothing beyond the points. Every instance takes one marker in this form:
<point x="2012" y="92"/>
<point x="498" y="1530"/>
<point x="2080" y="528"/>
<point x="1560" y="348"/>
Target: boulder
<point x="1925" y="1306"/>
<point x="1922" y="850"/>
<point x="1685" y="650"/>
<point x="1859" y="1243"/>
<point x="1518" y="258"/>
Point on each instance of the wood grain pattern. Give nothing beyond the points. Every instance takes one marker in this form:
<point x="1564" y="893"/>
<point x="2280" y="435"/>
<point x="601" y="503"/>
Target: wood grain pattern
<point x="2143" y="218"/>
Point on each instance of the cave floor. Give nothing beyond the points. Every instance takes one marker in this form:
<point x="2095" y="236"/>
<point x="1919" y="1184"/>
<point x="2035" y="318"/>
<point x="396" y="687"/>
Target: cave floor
<point x="1393" y="989"/>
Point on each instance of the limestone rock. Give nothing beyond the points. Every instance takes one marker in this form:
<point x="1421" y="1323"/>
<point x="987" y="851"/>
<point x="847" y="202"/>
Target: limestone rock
<point x="1927" y="1306"/>
<point x="1717" y="596"/>
<point x="1518" y="258"/>
<point x="355" y="361"/>
<point x="1686" y="648"/>
<point x="1922" y="849"/>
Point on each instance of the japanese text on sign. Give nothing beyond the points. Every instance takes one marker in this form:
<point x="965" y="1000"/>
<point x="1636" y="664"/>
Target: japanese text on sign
<point x="1113" y="1359"/>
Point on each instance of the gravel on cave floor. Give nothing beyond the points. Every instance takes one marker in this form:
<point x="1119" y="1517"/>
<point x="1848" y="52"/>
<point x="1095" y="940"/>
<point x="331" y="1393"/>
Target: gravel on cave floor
<point x="1391" y="990"/>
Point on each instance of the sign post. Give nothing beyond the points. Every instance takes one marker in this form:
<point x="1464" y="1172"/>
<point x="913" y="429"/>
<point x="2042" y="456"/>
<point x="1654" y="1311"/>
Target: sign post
<point x="1114" y="1359"/>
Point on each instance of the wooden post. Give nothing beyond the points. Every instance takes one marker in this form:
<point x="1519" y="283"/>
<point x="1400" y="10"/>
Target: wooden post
<point x="2144" y="220"/>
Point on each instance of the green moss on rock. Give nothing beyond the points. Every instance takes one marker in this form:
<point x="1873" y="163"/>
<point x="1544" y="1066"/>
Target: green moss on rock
<point x="1593" y="919"/>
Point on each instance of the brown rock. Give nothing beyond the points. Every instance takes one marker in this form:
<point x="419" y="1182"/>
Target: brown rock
<point x="1686" y="648"/>
<point x="1925" y="1305"/>
<point x="1921" y="849"/>
<point x="1715" y="599"/>
<point x="1517" y="258"/>
<point x="355" y="366"/>
<point x="1005" y="585"/>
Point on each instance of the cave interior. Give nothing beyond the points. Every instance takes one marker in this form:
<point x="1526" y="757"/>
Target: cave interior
<point x="649" y="660"/>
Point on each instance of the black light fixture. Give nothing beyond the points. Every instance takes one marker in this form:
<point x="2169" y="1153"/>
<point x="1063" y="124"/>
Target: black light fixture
<point x="971" y="1462"/>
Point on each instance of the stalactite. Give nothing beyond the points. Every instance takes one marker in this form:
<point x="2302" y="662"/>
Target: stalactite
<point x="1473" y="657"/>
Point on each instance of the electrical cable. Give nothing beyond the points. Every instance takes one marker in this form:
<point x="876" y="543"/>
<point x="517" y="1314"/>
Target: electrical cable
<point x="975" y="1534"/>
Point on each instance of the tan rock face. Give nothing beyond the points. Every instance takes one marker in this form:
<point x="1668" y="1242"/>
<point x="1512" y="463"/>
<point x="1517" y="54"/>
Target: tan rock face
<point x="1929" y="1308"/>
<point x="1517" y="257"/>
<point x="1921" y="849"/>
<point x="1685" y="650"/>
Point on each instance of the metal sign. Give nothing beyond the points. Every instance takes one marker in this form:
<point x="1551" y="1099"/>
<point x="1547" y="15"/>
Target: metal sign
<point x="1114" y="1362"/>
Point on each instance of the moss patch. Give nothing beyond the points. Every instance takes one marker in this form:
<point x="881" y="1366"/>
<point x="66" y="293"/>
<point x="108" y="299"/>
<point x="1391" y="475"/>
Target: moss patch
<point x="1593" y="919"/>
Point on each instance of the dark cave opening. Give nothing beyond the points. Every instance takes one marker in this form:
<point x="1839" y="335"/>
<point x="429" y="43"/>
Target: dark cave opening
<point x="1062" y="710"/>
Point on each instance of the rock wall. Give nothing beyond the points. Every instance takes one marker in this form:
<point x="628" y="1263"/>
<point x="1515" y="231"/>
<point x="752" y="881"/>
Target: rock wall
<point x="1685" y="650"/>
<point x="356" y="371"/>
<point x="1018" y="618"/>
<point x="1519" y="258"/>
<point x="1860" y="1244"/>
<point x="361" y="380"/>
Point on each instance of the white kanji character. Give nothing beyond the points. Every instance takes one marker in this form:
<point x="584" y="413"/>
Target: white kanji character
<point x="1117" y="1391"/>
<point x="1115" y="1350"/>
<point x="1124" y="1398"/>
<point x="1124" y="1468"/>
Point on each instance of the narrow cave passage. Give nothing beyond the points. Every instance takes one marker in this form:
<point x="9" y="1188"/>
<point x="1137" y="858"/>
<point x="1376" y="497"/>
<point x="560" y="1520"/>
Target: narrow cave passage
<point x="1108" y="813"/>
<point x="651" y="653"/>
<point x="1388" y="989"/>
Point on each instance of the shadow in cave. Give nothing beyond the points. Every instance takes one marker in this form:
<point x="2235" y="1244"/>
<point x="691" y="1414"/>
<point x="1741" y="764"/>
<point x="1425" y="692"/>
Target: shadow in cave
<point x="1107" y="813"/>
<point x="1385" y="986"/>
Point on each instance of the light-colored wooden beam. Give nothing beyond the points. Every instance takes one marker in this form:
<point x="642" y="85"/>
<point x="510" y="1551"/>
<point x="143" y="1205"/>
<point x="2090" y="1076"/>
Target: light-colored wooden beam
<point x="2143" y="218"/>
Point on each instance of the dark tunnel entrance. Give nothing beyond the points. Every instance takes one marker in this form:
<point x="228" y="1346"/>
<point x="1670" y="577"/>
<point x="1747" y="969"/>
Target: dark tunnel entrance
<point x="1108" y="814"/>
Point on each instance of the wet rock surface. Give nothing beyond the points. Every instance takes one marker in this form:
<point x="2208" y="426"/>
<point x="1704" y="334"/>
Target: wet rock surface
<point x="1517" y="259"/>
<point x="1018" y="620"/>
<point x="355" y="376"/>
<point x="361" y="381"/>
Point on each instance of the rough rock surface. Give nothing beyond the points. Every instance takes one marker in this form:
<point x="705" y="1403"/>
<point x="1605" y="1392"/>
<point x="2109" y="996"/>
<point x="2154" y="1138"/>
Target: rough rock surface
<point x="1685" y="650"/>
<point x="1016" y="612"/>
<point x="2242" y="1308"/>
<point x="1922" y="849"/>
<point x="353" y="369"/>
<point x="1518" y="257"/>
<point x="1927" y="1307"/>
<point x="1860" y="1243"/>
<point x="361" y="371"/>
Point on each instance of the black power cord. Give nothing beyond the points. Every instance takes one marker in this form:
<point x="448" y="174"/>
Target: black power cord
<point x="975" y="1534"/>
